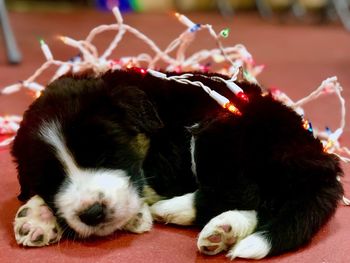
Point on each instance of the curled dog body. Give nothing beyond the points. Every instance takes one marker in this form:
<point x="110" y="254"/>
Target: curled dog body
<point x="99" y="150"/>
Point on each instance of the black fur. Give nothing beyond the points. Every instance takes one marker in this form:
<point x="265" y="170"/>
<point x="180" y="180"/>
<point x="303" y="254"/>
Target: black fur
<point x="263" y="160"/>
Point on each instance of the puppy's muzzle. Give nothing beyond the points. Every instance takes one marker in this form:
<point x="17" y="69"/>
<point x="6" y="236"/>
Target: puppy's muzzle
<point x="93" y="215"/>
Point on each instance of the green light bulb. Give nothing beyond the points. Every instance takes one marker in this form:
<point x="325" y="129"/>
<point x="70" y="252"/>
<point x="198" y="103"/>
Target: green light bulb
<point x="225" y="32"/>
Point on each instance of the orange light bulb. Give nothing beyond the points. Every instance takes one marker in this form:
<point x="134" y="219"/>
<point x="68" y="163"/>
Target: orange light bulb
<point x="232" y="108"/>
<point x="328" y="145"/>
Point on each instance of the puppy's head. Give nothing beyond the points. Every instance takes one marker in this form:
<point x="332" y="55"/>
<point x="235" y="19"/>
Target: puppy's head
<point x="97" y="201"/>
<point x="84" y="155"/>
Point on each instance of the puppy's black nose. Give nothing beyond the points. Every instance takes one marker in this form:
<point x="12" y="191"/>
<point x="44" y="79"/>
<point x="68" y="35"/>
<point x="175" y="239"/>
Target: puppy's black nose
<point x="93" y="215"/>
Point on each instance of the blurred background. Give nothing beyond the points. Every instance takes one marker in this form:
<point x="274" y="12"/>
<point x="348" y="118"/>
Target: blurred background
<point x="306" y="28"/>
<point x="315" y="12"/>
<point x="301" y="42"/>
<point x="318" y="11"/>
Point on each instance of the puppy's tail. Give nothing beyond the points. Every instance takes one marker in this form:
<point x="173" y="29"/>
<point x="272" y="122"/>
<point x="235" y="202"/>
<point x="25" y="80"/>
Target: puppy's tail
<point x="300" y="217"/>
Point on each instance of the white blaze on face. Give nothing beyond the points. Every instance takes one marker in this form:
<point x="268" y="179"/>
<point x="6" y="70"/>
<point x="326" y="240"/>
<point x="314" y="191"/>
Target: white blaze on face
<point x="84" y="187"/>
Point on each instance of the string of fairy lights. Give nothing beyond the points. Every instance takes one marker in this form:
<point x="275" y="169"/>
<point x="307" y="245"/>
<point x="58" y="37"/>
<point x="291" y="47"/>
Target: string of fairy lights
<point x="89" y="59"/>
<point x="227" y="60"/>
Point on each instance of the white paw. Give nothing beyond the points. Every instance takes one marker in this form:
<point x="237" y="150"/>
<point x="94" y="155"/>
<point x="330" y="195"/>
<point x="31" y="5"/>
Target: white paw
<point x="224" y="230"/>
<point x="178" y="210"/>
<point x="140" y="223"/>
<point x="254" y="246"/>
<point x="35" y="225"/>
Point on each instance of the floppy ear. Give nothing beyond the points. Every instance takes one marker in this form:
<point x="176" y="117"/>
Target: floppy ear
<point x="138" y="109"/>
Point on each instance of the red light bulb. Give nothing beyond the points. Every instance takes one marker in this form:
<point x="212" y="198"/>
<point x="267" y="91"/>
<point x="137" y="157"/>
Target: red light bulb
<point x="142" y="71"/>
<point x="242" y="96"/>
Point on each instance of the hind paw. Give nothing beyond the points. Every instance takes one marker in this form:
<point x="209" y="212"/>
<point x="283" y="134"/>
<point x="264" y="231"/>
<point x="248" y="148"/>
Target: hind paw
<point x="224" y="230"/>
<point x="215" y="238"/>
<point x="35" y="225"/>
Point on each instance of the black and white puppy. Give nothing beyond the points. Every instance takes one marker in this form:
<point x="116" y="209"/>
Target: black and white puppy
<point x="97" y="150"/>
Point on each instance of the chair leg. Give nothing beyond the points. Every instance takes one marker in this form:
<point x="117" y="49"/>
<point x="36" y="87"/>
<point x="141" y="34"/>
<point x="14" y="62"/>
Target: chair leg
<point x="298" y="10"/>
<point x="225" y="8"/>
<point x="343" y="9"/>
<point x="263" y="8"/>
<point x="13" y="54"/>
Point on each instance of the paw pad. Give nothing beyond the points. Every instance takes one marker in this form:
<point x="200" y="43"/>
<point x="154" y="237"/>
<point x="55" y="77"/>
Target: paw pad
<point x="226" y="228"/>
<point x="209" y="249"/>
<point x="37" y="235"/>
<point x="216" y="238"/>
<point x="23" y="212"/>
<point x="24" y="230"/>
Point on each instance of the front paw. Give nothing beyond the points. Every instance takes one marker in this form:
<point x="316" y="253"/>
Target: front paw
<point x="141" y="222"/>
<point x="178" y="210"/>
<point x="35" y="225"/>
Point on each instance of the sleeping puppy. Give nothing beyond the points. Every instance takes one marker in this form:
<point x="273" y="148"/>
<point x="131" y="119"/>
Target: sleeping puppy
<point x="93" y="152"/>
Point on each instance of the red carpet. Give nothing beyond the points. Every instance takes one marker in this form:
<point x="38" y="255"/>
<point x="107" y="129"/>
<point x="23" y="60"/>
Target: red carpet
<point x="298" y="58"/>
